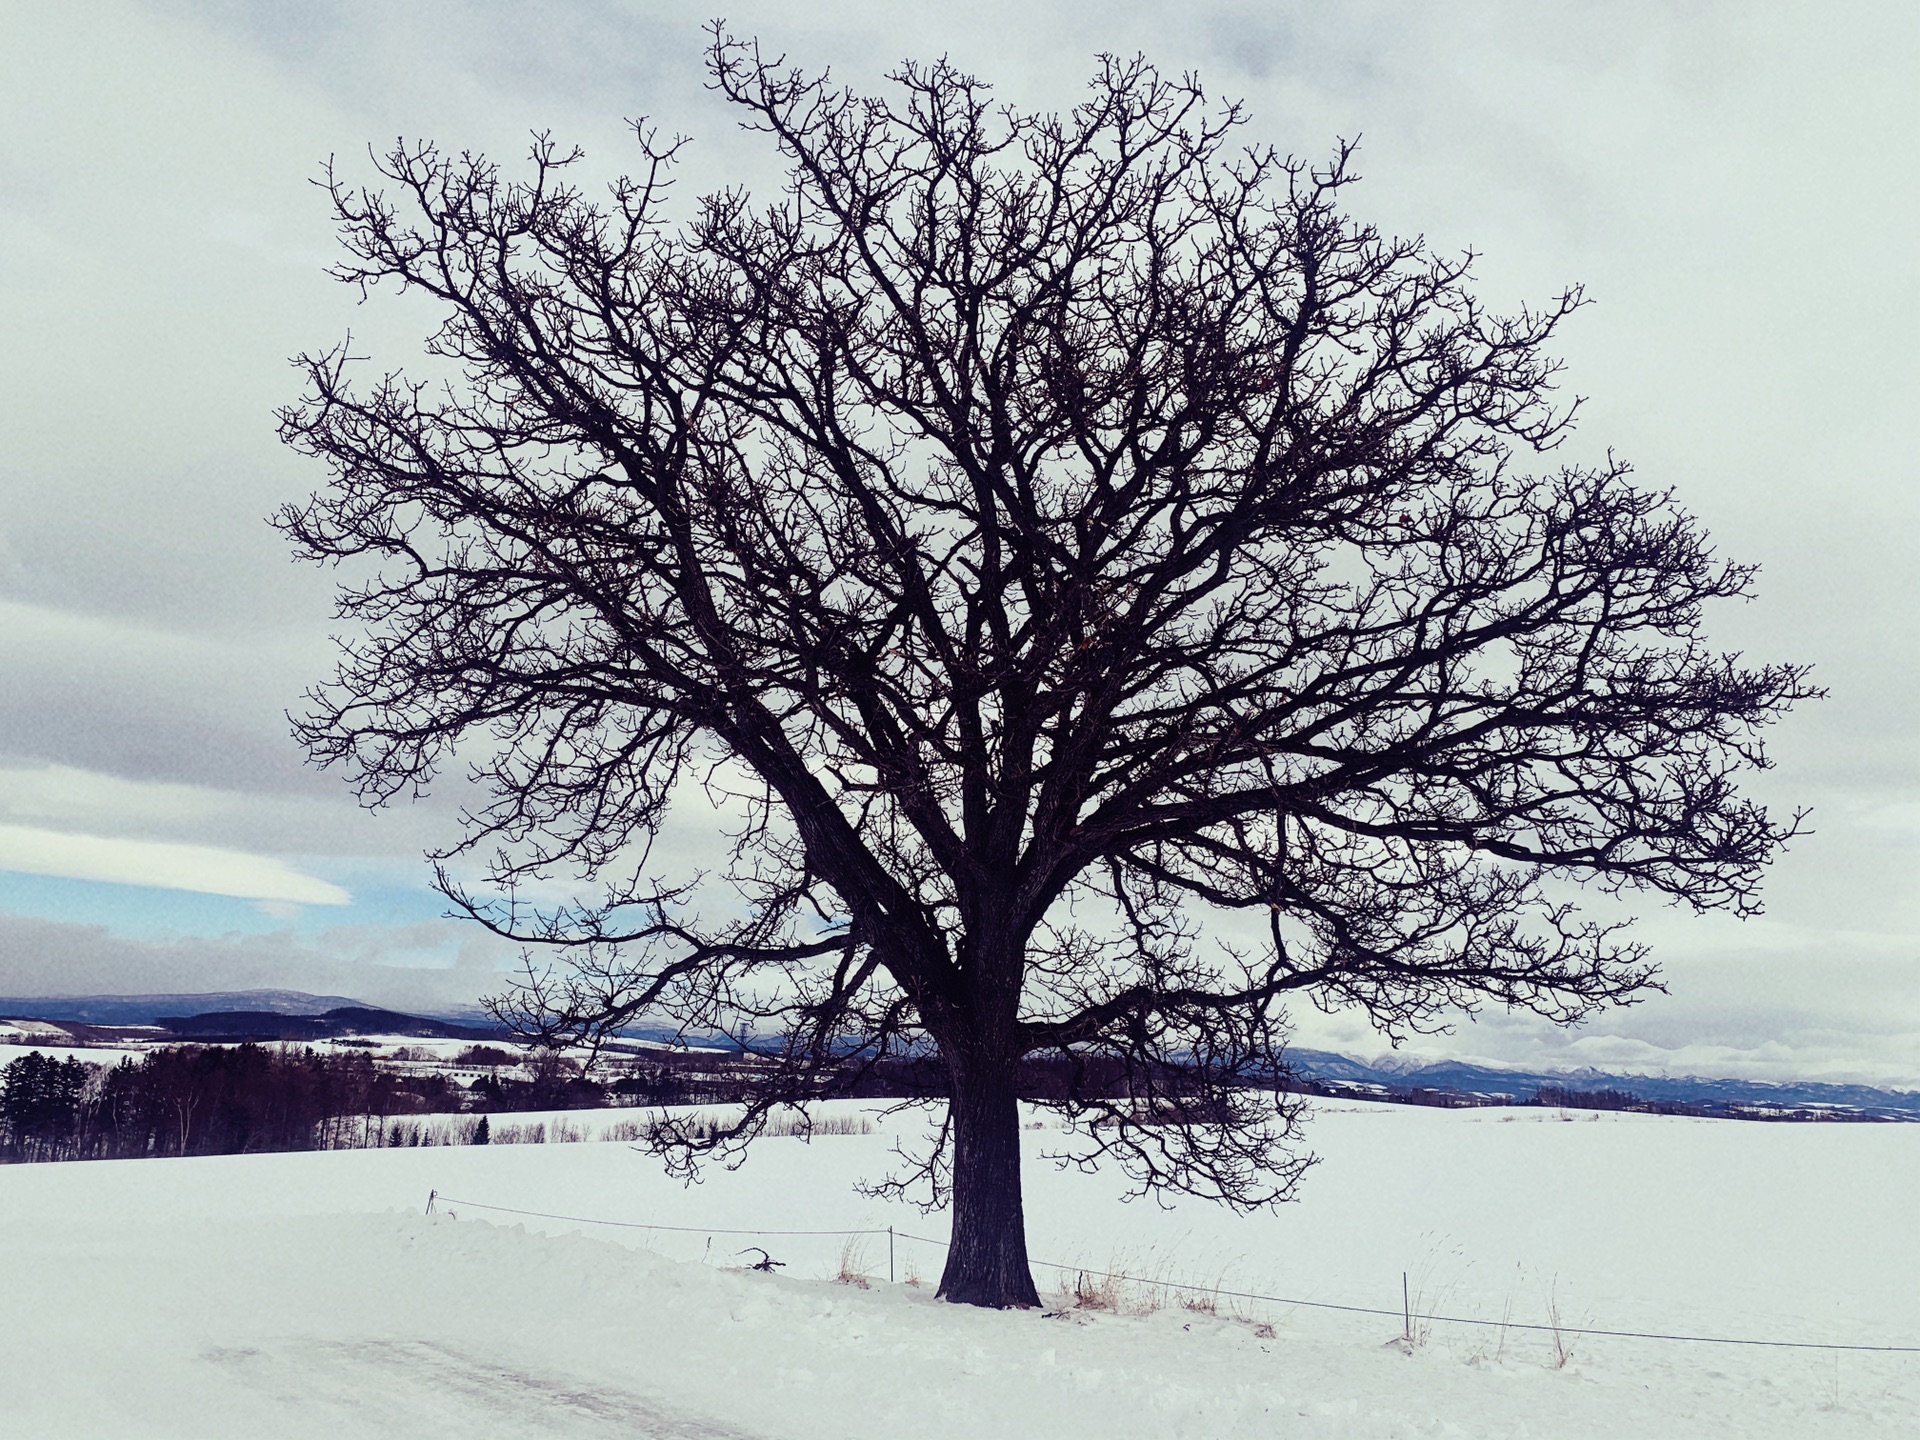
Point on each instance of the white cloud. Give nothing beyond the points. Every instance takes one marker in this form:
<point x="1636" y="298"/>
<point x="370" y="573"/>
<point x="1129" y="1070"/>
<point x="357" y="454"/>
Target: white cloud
<point x="428" y="967"/>
<point x="163" y="864"/>
<point x="65" y="795"/>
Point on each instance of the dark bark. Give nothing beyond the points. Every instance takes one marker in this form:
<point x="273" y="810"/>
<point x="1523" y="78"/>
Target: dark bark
<point x="987" y="1258"/>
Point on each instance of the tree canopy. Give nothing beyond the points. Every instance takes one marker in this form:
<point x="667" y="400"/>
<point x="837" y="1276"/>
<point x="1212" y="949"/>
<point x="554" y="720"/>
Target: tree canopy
<point x="1107" y="591"/>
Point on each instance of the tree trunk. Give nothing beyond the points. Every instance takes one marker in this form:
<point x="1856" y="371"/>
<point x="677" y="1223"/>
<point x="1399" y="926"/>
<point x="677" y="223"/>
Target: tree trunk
<point x="987" y="1261"/>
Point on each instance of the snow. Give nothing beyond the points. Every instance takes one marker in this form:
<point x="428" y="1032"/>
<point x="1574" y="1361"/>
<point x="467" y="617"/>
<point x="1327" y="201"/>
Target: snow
<point x="85" y="1054"/>
<point x="308" y="1295"/>
<point x="10" y="1029"/>
<point x="382" y="1044"/>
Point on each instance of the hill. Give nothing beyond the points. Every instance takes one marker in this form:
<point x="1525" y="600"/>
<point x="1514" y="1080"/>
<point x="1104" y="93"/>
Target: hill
<point x="235" y="1026"/>
<point x="147" y="1009"/>
<point x="1589" y="1088"/>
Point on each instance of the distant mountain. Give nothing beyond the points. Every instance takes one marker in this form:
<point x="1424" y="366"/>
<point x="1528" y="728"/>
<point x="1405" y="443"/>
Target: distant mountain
<point x="233" y="1026"/>
<point x="147" y="1009"/>
<point x="241" y="1015"/>
<point x="270" y="1015"/>
<point x="1456" y="1077"/>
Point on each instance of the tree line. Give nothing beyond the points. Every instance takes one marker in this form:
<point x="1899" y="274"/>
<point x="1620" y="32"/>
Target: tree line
<point x="236" y="1099"/>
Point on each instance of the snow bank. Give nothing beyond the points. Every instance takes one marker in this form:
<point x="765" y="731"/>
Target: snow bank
<point x="297" y="1295"/>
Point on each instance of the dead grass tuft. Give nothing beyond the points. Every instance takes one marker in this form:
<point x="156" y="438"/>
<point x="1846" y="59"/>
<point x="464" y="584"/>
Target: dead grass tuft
<point x="853" y="1264"/>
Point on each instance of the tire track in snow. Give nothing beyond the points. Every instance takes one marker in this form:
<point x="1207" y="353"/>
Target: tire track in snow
<point x="420" y="1386"/>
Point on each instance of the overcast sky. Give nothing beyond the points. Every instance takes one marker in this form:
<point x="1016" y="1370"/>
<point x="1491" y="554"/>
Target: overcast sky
<point x="1734" y="183"/>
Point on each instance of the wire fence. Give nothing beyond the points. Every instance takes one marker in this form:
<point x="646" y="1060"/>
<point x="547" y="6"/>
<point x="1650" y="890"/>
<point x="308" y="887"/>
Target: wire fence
<point x="1406" y="1314"/>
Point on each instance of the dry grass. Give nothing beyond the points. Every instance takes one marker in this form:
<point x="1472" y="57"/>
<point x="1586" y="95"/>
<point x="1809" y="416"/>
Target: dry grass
<point x="1119" y="1289"/>
<point x="1127" y="1287"/>
<point x="1209" y="1301"/>
<point x="1200" y="1302"/>
<point x="853" y="1264"/>
<point x="1506" y="1314"/>
<point x="1562" y="1342"/>
<point x="1092" y="1290"/>
<point x="1146" y="1285"/>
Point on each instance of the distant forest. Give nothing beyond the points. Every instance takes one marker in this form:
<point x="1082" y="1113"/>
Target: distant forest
<point x="233" y="1099"/>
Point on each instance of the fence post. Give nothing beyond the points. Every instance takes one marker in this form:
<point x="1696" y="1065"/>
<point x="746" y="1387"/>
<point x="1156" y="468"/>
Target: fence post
<point x="1406" y="1308"/>
<point x="430" y="1195"/>
<point x="890" y="1254"/>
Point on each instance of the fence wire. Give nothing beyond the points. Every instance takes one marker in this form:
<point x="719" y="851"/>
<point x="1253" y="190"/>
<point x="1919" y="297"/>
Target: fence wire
<point x="435" y="1198"/>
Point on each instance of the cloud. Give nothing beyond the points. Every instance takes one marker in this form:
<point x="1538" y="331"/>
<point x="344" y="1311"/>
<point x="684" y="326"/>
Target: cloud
<point x="131" y="700"/>
<point x="164" y="864"/>
<point x="161" y="254"/>
<point x="323" y="820"/>
<point x="429" y="966"/>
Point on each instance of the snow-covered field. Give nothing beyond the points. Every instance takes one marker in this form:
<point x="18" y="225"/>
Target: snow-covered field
<point x="297" y="1295"/>
<point x="85" y="1054"/>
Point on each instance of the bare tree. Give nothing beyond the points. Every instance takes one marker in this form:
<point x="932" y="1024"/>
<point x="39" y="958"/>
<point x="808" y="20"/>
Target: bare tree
<point x="1035" y="533"/>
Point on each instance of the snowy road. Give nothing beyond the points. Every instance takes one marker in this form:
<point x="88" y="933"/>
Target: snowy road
<point x="424" y="1387"/>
